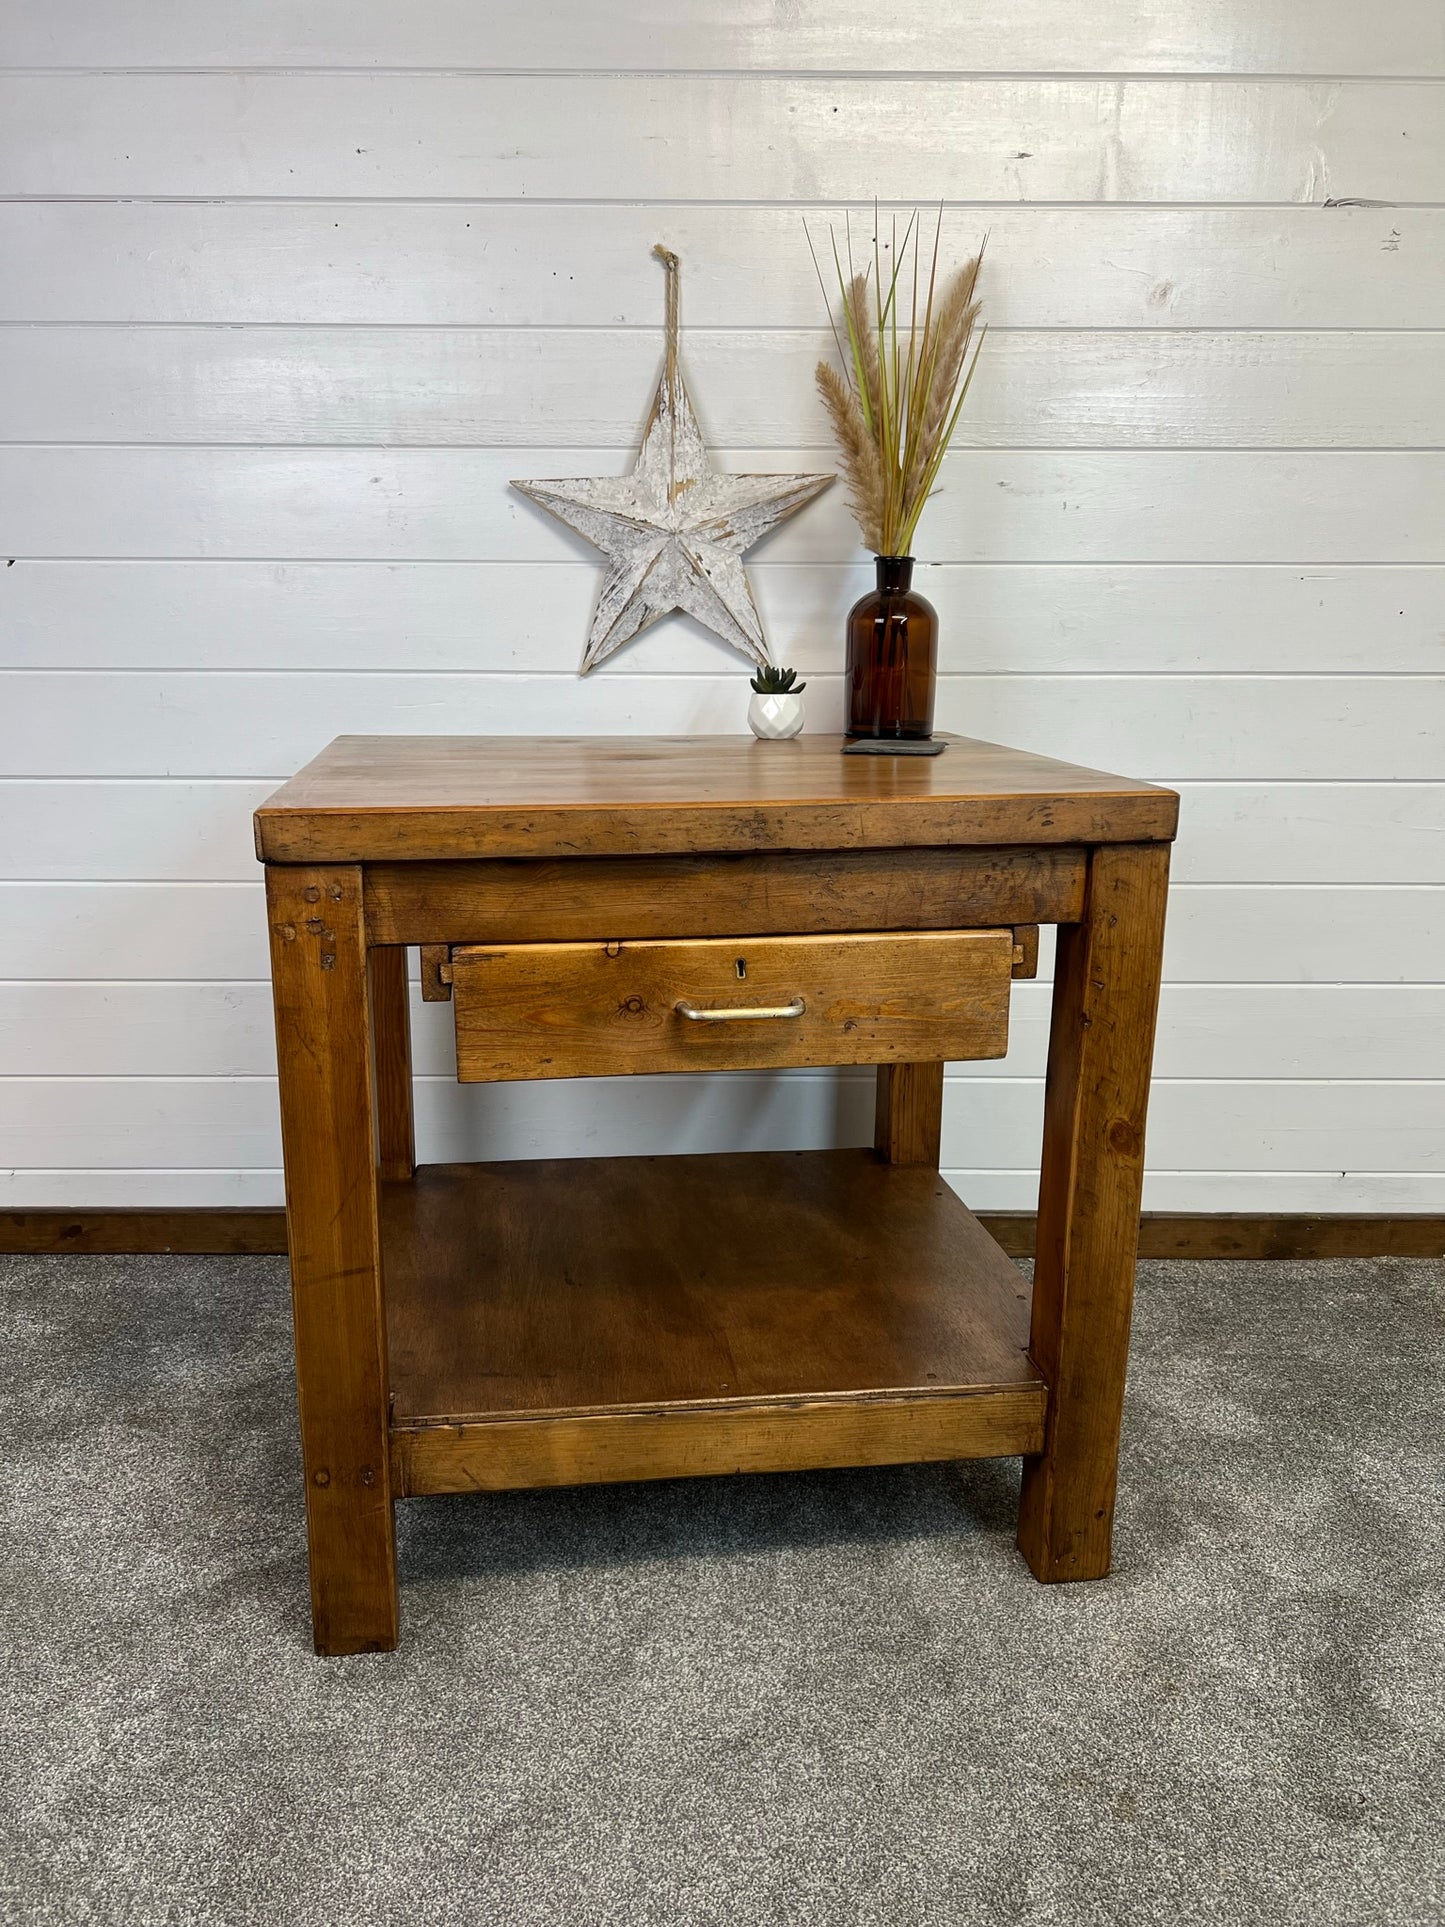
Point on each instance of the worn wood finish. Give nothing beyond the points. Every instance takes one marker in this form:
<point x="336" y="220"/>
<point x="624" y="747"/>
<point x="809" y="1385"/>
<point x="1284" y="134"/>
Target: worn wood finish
<point x="492" y="387"/>
<point x="1106" y="987"/>
<point x="371" y="799"/>
<point x="436" y="973"/>
<point x="765" y="893"/>
<point x="651" y="1317"/>
<point x="498" y="1455"/>
<point x="344" y="617"/>
<point x="790" y="139"/>
<point x="259" y="1231"/>
<point x="251" y="1230"/>
<point x="1238" y="1234"/>
<point x="320" y="984"/>
<point x="619" y="1008"/>
<point x="1330" y="38"/>
<point x="413" y="505"/>
<point x="235" y="262"/>
<point x="593" y="1284"/>
<point x="391" y="1054"/>
<point x="908" y="1117"/>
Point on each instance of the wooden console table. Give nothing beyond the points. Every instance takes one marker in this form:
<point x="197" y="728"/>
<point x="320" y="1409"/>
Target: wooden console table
<point x="595" y="907"/>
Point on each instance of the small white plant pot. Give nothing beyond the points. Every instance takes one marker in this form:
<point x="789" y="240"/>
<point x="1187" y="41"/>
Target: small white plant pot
<point x="775" y="717"/>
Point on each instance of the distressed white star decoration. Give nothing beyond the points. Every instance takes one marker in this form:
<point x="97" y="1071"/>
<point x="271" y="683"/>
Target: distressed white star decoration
<point x="675" y="530"/>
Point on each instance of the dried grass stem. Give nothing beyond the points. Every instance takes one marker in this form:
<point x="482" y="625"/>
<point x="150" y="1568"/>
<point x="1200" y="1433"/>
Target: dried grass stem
<point x="897" y="400"/>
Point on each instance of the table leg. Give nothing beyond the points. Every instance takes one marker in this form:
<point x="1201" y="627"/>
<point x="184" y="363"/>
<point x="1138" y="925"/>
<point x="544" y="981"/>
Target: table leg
<point x="391" y="1045"/>
<point x="909" y="1115"/>
<point x="323" y="1039"/>
<point x="1106" y="990"/>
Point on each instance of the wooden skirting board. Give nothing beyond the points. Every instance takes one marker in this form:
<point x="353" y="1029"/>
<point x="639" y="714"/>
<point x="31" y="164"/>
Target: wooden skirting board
<point x="1163" y="1234"/>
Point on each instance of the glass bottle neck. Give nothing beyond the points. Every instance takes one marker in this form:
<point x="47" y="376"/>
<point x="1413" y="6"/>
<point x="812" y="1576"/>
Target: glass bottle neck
<point x="895" y="574"/>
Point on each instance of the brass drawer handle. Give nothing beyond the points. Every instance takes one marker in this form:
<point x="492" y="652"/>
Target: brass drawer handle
<point x="732" y="1015"/>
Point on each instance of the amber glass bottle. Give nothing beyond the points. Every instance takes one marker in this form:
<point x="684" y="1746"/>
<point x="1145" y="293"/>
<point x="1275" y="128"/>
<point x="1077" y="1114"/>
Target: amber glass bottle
<point x="892" y="656"/>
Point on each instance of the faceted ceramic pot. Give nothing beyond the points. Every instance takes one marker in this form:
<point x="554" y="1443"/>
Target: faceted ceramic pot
<point x="775" y="717"/>
<point x="892" y="656"/>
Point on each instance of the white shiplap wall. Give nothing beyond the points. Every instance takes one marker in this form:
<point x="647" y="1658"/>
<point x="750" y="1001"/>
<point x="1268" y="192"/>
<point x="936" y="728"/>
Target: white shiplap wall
<point x="290" y="290"/>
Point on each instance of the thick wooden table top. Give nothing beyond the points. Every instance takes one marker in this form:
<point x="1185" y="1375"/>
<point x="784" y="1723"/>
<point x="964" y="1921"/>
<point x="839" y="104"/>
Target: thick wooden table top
<point x="370" y="799"/>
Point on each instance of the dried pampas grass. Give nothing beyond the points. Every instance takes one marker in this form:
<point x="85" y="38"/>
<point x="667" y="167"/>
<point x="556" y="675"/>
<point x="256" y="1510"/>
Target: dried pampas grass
<point x="862" y="470"/>
<point x="897" y="401"/>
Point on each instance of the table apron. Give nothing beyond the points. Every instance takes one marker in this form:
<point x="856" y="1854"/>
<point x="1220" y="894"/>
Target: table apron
<point x="517" y="900"/>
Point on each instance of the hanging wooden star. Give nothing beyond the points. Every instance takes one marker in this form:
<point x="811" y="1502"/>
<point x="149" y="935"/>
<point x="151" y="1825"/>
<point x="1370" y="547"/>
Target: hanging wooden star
<point x="675" y="530"/>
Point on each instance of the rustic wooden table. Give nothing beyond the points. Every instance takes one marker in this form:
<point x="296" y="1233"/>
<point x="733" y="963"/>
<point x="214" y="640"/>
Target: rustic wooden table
<point x="602" y="906"/>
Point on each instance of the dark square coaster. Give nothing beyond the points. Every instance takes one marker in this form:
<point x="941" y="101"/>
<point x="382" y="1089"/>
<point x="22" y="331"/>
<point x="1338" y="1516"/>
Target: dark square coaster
<point x="900" y="746"/>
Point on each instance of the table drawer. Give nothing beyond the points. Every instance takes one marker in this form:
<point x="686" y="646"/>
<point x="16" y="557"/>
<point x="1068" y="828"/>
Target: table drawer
<point x="740" y="1003"/>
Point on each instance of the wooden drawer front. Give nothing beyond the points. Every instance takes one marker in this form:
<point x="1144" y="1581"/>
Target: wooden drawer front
<point x="600" y="1010"/>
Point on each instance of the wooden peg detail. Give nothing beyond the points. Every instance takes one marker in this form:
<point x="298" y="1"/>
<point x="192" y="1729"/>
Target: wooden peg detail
<point x="436" y="973"/>
<point x="1026" y="950"/>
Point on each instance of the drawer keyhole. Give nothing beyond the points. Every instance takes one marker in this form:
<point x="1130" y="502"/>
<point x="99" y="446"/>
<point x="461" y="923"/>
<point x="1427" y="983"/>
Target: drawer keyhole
<point x="742" y="966"/>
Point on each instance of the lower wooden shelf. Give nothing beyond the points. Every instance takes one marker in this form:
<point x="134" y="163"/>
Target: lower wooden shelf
<point x="580" y="1320"/>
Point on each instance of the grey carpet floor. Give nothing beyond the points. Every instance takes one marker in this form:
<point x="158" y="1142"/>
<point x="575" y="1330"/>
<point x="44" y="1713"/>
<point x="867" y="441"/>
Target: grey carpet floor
<point x="829" y="1698"/>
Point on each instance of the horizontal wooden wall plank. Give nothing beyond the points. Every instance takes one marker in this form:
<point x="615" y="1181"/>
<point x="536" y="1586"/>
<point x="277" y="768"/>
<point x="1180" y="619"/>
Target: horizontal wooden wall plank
<point x="1205" y="1031"/>
<point x="97" y="932"/>
<point x="453" y="504"/>
<point x="105" y="932"/>
<point x="1127" y="36"/>
<point x="135" y="931"/>
<point x="129" y="831"/>
<point x="499" y="387"/>
<point x="1217" y="1194"/>
<point x="1312" y="833"/>
<point x="489" y="264"/>
<point x="254" y="1231"/>
<point x="233" y="724"/>
<point x="1229" y="1234"/>
<point x="1325" y="935"/>
<point x="139" y="829"/>
<point x="994" y="618"/>
<point x="711" y="137"/>
<point x="226" y="1123"/>
<point x="258" y="1231"/>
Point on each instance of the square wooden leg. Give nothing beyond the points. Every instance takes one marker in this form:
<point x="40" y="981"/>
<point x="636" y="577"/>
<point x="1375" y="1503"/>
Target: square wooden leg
<point x="391" y="1051"/>
<point x="328" y="1131"/>
<point x="908" y="1118"/>
<point x="1106" y="990"/>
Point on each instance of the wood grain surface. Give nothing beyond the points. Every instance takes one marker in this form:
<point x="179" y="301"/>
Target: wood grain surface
<point x="765" y="893"/>
<point x="93" y="834"/>
<point x="624" y="1283"/>
<point x="1280" y="1131"/>
<point x="1036" y="388"/>
<point x="430" y="797"/>
<point x="995" y="618"/>
<point x="908" y="1118"/>
<point x="259" y="1231"/>
<point x="1106" y="988"/>
<point x="319" y="975"/>
<point x="494" y="264"/>
<point x="617" y="1008"/>
<point x="1135" y="505"/>
<point x="496" y="1455"/>
<point x="718" y="137"/>
<point x="824" y="36"/>
<point x="391" y="1057"/>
